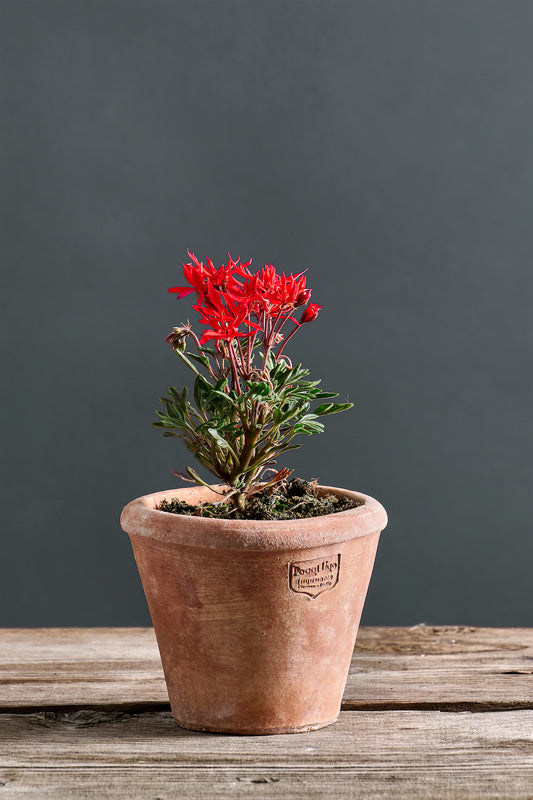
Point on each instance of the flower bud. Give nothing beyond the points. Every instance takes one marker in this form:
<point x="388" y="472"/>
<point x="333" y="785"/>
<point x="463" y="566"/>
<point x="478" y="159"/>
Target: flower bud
<point x="310" y="313"/>
<point x="176" y="338"/>
<point x="302" y="298"/>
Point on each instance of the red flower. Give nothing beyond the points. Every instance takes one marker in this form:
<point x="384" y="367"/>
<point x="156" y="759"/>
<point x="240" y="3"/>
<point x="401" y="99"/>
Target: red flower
<point x="281" y="293"/>
<point x="310" y="313"/>
<point x="181" y="291"/>
<point x="231" y="297"/>
<point x="224" y="322"/>
<point x="223" y="312"/>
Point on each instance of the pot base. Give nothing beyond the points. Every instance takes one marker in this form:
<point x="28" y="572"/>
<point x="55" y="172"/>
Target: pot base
<point x="190" y="726"/>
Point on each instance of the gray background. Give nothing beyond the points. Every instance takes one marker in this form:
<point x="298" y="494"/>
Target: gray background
<point x="386" y="146"/>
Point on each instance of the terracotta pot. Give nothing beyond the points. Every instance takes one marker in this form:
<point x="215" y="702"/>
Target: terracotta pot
<point x="255" y="620"/>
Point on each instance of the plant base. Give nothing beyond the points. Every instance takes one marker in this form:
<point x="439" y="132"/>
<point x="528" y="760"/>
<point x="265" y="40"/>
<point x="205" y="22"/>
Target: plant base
<point x="294" y="499"/>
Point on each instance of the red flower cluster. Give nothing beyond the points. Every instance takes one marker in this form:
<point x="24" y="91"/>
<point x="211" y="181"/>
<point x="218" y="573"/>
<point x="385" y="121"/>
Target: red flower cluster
<point x="235" y="303"/>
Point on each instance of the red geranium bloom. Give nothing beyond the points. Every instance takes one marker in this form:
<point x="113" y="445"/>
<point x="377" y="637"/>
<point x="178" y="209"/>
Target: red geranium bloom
<point x="231" y="297"/>
<point x="282" y="292"/>
<point x="225" y="321"/>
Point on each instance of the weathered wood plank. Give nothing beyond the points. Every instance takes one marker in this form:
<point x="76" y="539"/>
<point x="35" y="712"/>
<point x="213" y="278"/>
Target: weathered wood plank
<point x="162" y="783"/>
<point x="447" y="668"/>
<point x="393" y="754"/>
<point x="450" y="668"/>
<point x="91" y="750"/>
<point x="86" y="667"/>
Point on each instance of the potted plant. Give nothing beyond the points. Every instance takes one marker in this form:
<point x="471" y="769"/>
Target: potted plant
<point x="255" y="584"/>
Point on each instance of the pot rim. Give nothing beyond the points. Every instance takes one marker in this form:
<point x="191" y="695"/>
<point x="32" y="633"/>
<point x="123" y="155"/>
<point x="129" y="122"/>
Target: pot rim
<point x="141" y="518"/>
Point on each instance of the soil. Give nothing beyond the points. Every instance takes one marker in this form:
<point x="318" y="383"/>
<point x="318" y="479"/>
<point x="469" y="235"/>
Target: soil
<point x="294" y="499"/>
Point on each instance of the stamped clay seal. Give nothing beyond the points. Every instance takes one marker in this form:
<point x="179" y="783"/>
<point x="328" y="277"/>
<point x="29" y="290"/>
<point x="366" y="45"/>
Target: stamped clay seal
<point x="314" y="577"/>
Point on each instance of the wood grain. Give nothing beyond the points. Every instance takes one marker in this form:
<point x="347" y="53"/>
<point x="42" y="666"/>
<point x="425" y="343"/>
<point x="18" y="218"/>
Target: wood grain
<point x="446" y="668"/>
<point x="414" y="754"/>
<point x="85" y="715"/>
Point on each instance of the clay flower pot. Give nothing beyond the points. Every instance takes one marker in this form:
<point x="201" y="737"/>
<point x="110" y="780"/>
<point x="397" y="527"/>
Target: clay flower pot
<point x="255" y="620"/>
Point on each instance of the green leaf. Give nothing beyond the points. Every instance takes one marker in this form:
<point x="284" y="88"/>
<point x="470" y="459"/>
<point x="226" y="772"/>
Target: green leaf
<point x="332" y="408"/>
<point x="231" y="427"/>
<point x="271" y="361"/>
<point x="257" y="390"/>
<point x="176" y="402"/>
<point x="324" y="395"/>
<point x="277" y="416"/>
<point x="174" y="412"/>
<point x="201" y="390"/>
<point x="282" y="375"/>
<point x="218" y="438"/>
<point x="308" y="428"/>
<point x="174" y="418"/>
<point x="204" y="360"/>
<point x="164" y="420"/>
<point x="259" y="387"/>
<point x="289" y="410"/>
<point x="284" y="448"/>
<point x="217" y="403"/>
<point x="309" y="425"/>
<point x="325" y="408"/>
<point x="187" y="361"/>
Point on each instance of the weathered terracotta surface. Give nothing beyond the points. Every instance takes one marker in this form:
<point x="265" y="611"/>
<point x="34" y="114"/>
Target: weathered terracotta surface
<point x="255" y="620"/>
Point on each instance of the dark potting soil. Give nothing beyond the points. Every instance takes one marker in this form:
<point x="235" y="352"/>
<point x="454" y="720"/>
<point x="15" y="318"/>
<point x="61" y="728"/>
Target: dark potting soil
<point x="294" y="499"/>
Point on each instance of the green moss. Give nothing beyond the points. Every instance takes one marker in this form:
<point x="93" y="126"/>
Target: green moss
<point x="295" y="499"/>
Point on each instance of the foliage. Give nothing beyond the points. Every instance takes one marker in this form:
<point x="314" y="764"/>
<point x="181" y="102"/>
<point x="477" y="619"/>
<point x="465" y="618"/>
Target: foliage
<point x="248" y="401"/>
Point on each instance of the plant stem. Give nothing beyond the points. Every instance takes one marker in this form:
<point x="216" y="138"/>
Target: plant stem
<point x="291" y="334"/>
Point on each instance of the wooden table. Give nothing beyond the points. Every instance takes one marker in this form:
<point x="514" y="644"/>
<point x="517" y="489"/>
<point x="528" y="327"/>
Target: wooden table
<point x="428" y="712"/>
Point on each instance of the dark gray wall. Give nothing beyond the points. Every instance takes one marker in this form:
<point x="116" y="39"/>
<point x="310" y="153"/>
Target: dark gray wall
<point x="386" y="146"/>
